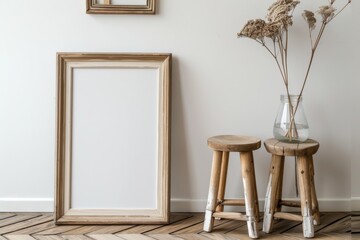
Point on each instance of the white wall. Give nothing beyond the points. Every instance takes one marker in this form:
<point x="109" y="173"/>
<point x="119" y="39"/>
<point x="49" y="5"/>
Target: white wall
<point x="221" y="85"/>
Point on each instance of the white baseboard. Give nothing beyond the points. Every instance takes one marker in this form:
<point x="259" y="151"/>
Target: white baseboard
<point x="355" y="204"/>
<point x="26" y="204"/>
<point x="177" y="205"/>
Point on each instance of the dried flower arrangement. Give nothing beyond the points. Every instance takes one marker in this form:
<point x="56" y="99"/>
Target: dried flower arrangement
<point x="275" y="28"/>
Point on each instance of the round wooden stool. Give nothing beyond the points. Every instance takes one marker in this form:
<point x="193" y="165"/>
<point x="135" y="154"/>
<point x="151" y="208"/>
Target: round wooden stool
<point x="303" y="153"/>
<point x="221" y="146"/>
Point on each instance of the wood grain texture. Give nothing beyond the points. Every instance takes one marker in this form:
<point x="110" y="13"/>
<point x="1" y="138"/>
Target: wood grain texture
<point x="49" y="237"/>
<point x="19" y="237"/>
<point x="233" y="202"/>
<point x="104" y="237"/>
<point x="105" y="229"/>
<point x="198" y="227"/>
<point x="58" y="229"/>
<point x="250" y="193"/>
<point x="198" y="218"/>
<point x="231" y="215"/>
<point x="326" y="220"/>
<point x="223" y="176"/>
<point x="262" y="235"/>
<point x="192" y="237"/>
<point x="135" y="237"/>
<point x="219" y="236"/>
<point x="333" y="226"/>
<point x="174" y="217"/>
<point x="288" y="216"/>
<point x="230" y="226"/>
<point x="17" y="218"/>
<point x="355" y="236"/>
<point x="213" y="191"/>
<point x="303" y="173"/>
<point x="274" y="146"/>
<point x="25" y="224"/>
<point x="34" y="229"/>
<point x="75" y="237"/>
<point x="233" y="143"/>
<point x="342" y="226"/>
<point x="355" y="224"/>
<point x="272" y="196"/>
<point x="333" y="236"/>
<point x="282" y="226"/>
<point x="314" y="201"/>
<point x="290" y="203"/>
<point x="6" y="215"/>
<point x="165" y="237"/>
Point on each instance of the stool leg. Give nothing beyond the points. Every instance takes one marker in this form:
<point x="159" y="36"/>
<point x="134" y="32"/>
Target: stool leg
<point x="314" y="201"/>
<point x="273" y="191"/>
<point x="250" y="192"/>
<point x="280" y="185"/>
<point x="223" y="175"/>
<point x="213" y="191"/>
<point x="303" y="173"/>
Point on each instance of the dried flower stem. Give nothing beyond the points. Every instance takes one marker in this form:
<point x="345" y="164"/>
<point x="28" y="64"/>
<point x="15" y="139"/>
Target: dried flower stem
<point x="349" y="1"/>
<point x="313" y="50"/>
<point x="276" y="28"/>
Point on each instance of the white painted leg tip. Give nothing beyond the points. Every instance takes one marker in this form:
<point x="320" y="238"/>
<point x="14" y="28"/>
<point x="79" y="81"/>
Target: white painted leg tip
<point x="267" y="223"/>
<point x="309" y="236"/>
<point x="207" y="228"/>
<point x="308" y="227"/>
<point x="253" y="236"/>
<point x="252" y="229"/>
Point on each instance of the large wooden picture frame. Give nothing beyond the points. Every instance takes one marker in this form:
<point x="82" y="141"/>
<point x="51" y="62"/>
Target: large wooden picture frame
<point x="113" y="138"/>
<point x="123" y="7"/>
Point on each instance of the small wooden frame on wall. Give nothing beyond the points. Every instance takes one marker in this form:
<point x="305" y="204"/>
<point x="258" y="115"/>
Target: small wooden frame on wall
<point x="120" y="6"/>
<point x="113" y="138"/>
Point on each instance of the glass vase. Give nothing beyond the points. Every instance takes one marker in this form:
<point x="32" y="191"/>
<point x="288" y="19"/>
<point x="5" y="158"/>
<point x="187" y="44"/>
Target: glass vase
<point x="290" y="124"/>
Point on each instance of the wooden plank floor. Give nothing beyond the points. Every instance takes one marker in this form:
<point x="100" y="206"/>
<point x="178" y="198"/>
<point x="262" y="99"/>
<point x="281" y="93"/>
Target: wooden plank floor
<point x="355" y="225"/>
<point x="183" y="226"/>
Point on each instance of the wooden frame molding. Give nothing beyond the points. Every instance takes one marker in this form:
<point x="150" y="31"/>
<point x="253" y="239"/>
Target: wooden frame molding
<point x="67" y="65"/>
<point x="92" y="7"/>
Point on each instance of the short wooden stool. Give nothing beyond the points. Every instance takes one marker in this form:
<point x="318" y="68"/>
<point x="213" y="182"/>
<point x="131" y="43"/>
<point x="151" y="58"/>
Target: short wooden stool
<point x="303" y="153"/>
<point x="221" y="146"/>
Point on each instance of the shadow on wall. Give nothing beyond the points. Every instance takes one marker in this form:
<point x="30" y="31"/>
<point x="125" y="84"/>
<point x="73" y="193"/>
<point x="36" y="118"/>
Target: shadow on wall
<point x="180" y="181"/>
<point x="331" y="163"/>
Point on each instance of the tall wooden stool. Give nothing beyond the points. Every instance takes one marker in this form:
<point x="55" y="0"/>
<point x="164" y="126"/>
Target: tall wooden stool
<point x="303" y="153"/>
<point x="221" y="146"/>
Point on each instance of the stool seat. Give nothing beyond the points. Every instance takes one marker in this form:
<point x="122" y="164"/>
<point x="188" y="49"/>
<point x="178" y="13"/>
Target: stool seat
<point x="234" y="143"/>
<point x="274" y="146"/>
<point x="309" y="206"/>
<point x="222" y="145"/>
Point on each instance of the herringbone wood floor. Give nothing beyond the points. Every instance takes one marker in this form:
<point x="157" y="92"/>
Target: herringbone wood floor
<point x="188" y="226"/>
